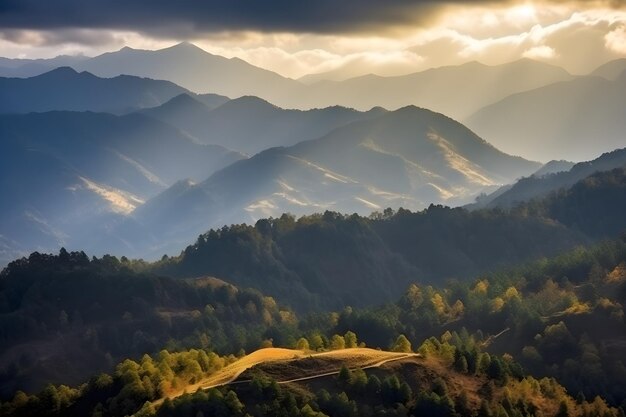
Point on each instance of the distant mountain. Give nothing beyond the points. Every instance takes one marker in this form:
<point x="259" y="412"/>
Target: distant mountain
<point x="456" y="91"/>
<point x="337" y="75"/>
<point x="193" y="68"/>
<point x="66" y="89"/>
<point x="407" y="158"/>
<point x="23" y="68"/>
<point x="538" y="186"/>
<point x="611" y="70"/>
<point x="576" y="120"/>
<point x="553" y="167"/>
<point x="64" y="174"/>
<point x="250" y="124"/>
<point x="210" y="100"/>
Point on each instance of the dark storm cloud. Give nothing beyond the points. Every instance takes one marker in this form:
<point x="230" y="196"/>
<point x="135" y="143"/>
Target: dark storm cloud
<point x="184" y="17"/>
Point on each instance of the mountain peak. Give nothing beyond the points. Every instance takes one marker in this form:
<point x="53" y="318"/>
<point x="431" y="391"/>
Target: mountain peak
<point x="186" y="46"/>
<point x="63" y="70"/>
<point x="246" y="101"/>
<point x="184" y="101"/>
<point x="59" y="73"/>
<point x="127" y="49"/>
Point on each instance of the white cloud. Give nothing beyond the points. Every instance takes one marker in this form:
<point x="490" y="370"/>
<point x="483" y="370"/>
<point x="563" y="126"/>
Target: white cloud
<point x="615" y="40"/>
<point x="561" y="33"/>
<point x="539" y="52"/>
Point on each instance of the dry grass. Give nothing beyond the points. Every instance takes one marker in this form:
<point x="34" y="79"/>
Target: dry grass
<point x="279" y="361"/>
<point x="230" y="372"/>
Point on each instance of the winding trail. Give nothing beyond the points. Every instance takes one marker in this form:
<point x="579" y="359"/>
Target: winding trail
<point x="333" y="354"/>
<point x="376" y="365"/>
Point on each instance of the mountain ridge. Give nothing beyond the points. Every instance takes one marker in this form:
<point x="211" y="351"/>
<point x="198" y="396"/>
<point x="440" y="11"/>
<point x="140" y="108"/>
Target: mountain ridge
<point x="65" y="88"/>
<point x="575" y="119"/>
<point x="420" y="157"/>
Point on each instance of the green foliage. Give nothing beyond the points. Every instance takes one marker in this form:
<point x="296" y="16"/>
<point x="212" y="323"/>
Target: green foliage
<point x="561" y="317"/>
<point x="402" y="344"/>
<point x="337" y="342"/>
<point x="350" y="340"/>
<point x="331" y="260"/>
<point x="101" y="311"/>
<point x="302" y="344"/>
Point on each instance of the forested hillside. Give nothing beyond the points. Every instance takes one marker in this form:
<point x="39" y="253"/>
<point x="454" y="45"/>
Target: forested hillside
<point x="330" y="260"/>
<point x="560" y="314"/>
<point x="478" y="344"/>
<point x="65" y="317"/>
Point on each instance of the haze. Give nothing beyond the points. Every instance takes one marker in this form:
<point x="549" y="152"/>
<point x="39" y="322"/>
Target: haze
<point x="346" y="40"/>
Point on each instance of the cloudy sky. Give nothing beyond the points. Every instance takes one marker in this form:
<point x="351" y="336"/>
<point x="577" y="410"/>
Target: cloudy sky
<point x="347" y="37"/>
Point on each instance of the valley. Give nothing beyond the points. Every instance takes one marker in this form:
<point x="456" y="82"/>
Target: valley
<point x="312" y="209"/>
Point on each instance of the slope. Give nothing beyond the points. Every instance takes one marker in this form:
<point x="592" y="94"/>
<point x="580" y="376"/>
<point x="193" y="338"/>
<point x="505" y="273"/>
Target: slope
<point x="193" y="68"/>
<point x="91" y="313"/>
<point x="611" y="70"/>
<point x="66" y="173"/>
<point x="334" y="260"/>
<point x="537" y="186"/>
<point x="456" y="91"/>
<point x="407" y="158"/>
<point x="406" y="386"/>
<point x="576" y="120"/>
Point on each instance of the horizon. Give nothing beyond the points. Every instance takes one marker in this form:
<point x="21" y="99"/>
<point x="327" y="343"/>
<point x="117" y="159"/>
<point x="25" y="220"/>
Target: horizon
<point x="577" y="36"/>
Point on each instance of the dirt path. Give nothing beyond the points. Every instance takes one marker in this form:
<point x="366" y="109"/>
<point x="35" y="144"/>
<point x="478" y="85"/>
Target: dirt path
<point x="232" y="381"/>
<point x="376" y="365"/>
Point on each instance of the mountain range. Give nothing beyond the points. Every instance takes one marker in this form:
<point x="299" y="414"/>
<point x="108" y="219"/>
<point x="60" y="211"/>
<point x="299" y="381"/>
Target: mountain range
<point x="23" y="68"/>
<point x="514" y="106"/>
<point x="444" y="89"/>
<point x="65" y="89"/>
<point x="168" y="162"/>
<point x="576" y="119"/>
<point x="66" y="174"/>
<point x="550" y="178"/>
<point x="249" y="124"/>
<point x="340" y="259"/>
<point x="195" y="69"/>
<point x="407" y="158"/>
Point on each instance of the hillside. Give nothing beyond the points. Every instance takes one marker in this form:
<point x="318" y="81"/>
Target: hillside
<point x="69" y="175"/>
<point x="575" y="120"/>
<point x="356" y="382"/>
<point x="546" y="315"/>
<point x="611" y="70"/>
<point x="65" y="89"/>
<point x="408" y="158"/>
<point x="331" y="260"/>
<point x="541" y="183"/>
<point x="283" y="366"/>
<point x="251" y="125"/>
<point x="561" y="317"/>
<point x="90" y="314"/>
<point x="554" y="167"/>
<point x="373" y="258"/>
